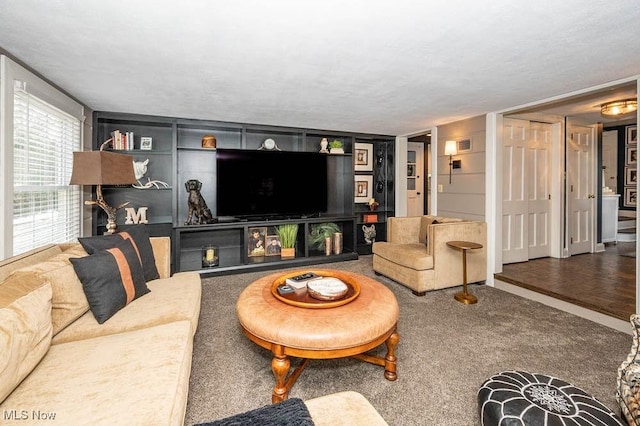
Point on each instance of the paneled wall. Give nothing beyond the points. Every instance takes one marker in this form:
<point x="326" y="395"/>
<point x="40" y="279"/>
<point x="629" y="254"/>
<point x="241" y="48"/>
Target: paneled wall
<point x="464" y="197"/>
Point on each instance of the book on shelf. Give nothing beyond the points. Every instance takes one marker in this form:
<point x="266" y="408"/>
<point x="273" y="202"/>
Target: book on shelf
<point x="370" y="218"/>
<point x="300" y="281"/>
<point x="122" y="141"/>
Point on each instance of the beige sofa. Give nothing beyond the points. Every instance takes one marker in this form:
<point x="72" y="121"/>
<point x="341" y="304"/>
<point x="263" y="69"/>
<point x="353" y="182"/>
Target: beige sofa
<point x="416" y="252"/>
<point x="133" y="369"/>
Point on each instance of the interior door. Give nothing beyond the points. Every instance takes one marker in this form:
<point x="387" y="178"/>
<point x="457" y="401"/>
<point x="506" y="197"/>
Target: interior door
<point x="581" y="185"/>
<point x="514" y="191"/>
<point x="538" y="159"/>
<point x="415" y="179"/>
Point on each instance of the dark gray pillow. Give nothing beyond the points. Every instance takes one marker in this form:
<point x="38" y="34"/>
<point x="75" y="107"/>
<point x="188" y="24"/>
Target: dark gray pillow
<point x="138" y="235"/>
<point x="111" y="279"/>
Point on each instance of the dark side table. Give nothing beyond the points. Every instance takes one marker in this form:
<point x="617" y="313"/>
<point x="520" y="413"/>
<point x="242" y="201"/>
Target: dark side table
<point x="464" y="296"/>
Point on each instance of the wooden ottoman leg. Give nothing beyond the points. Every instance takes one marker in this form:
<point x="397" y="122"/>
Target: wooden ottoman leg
<point x="390" y="360"/>
<point x="280" y="366"/>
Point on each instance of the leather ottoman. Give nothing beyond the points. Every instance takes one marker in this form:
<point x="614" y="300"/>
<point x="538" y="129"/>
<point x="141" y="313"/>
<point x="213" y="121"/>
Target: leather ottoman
<point x="519" y="398"/>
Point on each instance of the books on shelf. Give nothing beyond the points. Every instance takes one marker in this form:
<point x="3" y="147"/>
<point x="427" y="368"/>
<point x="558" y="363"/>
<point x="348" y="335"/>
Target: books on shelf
<point x="122" y="141"/>
<point x="300" y="281"/>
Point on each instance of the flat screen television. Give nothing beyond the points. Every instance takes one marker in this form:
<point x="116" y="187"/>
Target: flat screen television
<point x="270" y="183"/>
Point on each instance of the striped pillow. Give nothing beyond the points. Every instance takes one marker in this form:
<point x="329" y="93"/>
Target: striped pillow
<point x="111" y="279"/>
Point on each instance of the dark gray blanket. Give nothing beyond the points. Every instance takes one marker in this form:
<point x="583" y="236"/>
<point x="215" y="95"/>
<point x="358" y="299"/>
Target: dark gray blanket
<point x="291" y="412"/>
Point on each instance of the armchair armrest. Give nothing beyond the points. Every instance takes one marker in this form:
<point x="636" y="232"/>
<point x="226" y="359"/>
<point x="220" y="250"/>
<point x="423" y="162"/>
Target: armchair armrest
<point x="162" y="252"/>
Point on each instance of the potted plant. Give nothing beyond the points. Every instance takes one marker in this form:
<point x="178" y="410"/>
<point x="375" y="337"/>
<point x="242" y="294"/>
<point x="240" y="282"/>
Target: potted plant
<point x="287" y="234"/>
<point x="320" y="232"/>
<point x="373" y="204"/>
<point x="336" y="147"/>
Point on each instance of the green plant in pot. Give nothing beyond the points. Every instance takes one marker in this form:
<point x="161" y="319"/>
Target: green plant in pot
<point x="320" y="232"/>
<point x="336" y="147"/>
<point x="287" y="234"/>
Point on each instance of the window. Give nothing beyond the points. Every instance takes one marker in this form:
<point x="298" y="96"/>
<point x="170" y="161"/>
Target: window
<point x="45" y="207"/>
<point x="38" y="140"/>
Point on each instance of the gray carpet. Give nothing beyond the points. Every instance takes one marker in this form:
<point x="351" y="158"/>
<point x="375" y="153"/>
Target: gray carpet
<point x="446" y="351"/>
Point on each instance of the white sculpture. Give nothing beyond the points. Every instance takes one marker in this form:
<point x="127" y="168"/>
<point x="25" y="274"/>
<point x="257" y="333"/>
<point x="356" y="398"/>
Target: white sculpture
<point x="139" y="170"/>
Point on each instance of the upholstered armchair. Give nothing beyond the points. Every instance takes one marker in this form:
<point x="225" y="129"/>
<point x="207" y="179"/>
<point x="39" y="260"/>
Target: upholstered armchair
<point x="628" y="392"/>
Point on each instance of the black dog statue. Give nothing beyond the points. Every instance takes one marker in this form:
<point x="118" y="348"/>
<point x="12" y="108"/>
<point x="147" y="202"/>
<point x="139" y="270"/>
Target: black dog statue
<point x="198" y="213"/>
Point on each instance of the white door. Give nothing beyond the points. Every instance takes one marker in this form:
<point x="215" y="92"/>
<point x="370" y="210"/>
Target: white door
<point x="415" y="179"/>
<point x="581" y="185"/>
<point x="610" y="160"/>
<point x="538" y="159"/>
<point x="514" y="191"/>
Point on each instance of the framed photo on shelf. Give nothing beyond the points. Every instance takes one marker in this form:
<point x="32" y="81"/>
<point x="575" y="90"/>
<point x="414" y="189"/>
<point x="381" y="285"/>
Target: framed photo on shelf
<point x="146" y="143"/>
<point x="363" y="188"/>
<point x="256" y="241"/>
<point x="632" y="135"/>
<point x="273" y="245"/>
<point x="630" y="196"/>
<point x="630" y="175"/>
<point x="363" y="157"/>
<point x="632" y="155"/>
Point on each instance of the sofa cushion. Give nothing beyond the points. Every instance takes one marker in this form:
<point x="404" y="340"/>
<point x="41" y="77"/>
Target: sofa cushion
<point x="137" y="378"/>
<point x="68" y="300"/>
<point x="184" y="287"/>
<point x="138" y="235"/>
<point x="111" y="279"/>
<point x="25" y="329"/>
<point x="412" y="256"/>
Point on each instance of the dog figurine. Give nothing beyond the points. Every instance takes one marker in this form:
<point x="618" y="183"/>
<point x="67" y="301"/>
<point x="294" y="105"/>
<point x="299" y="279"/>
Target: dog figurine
<point x="198" y="212"/>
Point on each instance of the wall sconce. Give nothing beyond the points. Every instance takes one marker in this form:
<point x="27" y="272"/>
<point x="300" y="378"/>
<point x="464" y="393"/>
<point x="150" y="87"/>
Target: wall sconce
<point x="451" y="149"/>
<point x="103" y="168"/>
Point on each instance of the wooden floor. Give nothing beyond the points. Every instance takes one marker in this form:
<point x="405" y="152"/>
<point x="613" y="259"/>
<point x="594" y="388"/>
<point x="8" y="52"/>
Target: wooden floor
<point x="603" y="282"/>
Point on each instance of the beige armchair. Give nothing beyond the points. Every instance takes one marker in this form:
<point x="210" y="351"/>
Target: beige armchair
<point x="416" y="253"/>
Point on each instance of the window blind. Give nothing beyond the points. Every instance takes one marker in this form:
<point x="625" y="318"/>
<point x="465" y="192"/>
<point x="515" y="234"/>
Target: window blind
<point x="45" y="208"/>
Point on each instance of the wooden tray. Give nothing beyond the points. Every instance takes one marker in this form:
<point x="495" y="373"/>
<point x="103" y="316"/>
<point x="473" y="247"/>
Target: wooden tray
<point x="301" y="299"/>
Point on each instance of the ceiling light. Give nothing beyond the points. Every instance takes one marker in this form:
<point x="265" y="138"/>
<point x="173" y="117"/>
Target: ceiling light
<point x="615" y="108"/>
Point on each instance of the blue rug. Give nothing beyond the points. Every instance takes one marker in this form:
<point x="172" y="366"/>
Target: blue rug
<point x="291" y="412"/>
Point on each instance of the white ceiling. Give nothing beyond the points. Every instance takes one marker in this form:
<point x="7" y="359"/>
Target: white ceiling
<point x="380" y="66"/>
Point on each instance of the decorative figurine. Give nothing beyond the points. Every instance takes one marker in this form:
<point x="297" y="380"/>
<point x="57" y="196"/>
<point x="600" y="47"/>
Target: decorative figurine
<point x="197" y="205"/>
<point x="369" y="233"/>
<point x="139" y="170"/>
<point x="324" y="143"/>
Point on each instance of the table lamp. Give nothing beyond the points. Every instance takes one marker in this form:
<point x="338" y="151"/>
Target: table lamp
<point x="103" y="168"/>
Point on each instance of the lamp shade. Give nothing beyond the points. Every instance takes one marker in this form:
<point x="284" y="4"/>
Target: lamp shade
<point x="450" y="148"/>
<point x="102" y="168"/>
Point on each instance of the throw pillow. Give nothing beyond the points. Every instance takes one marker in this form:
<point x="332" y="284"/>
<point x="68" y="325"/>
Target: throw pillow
<point x="25" y="329"/>
<point x="111" y="279"/>
<point x="138" y="235"/>
<point x="426" y="240"/>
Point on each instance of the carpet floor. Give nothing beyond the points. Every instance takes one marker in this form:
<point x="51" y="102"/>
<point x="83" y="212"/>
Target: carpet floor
<point x="446" y="351"/>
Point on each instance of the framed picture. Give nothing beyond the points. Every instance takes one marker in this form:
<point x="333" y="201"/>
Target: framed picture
<point x="632" y="155"/>
<point x="363" y="188"/>
<point x="632" y="135"/>
<point x="630" y="195"/>
<point x="630" y="176"/>
<point x="256" y="241"/>
<point x="363" y="155"/>
<point x="273" y="246"/>
<point x="146" y="143"/>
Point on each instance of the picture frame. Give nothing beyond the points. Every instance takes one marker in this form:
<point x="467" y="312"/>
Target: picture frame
<point x="273" y="247"/>
<point x="363" y="157"/>
<point x="256" y="241"/>
<point x="146" y="143"/>
<point x="632" y="155"/>
<point x="632" y="135"/>
<point x="630" y="175"/>
<point x="363" y="188"/>
<point x="630" y="196"/>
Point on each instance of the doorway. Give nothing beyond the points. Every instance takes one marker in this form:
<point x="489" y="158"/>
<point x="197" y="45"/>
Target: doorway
<point x="418" y="175"/>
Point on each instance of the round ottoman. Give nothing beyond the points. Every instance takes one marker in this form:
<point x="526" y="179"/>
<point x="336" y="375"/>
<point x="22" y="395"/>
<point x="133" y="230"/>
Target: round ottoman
<point x="519" y="398"/>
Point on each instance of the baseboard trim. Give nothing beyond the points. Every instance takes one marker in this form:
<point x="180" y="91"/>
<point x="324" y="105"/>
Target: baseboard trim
<point x="606" y="320"/>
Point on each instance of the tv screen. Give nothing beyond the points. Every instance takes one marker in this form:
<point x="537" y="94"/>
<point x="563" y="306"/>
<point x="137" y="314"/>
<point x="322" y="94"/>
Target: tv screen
<point x="270" y="183"/>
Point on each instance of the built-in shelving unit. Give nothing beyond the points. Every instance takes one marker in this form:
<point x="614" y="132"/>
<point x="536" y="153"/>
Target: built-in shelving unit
<point x="177" y="155"/>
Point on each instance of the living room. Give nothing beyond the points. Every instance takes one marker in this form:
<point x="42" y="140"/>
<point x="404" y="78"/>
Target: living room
<point x="348" y="70"/>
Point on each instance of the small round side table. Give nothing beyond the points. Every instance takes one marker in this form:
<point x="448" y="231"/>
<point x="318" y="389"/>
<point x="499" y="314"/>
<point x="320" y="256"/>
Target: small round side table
<point x="464" y="296"/>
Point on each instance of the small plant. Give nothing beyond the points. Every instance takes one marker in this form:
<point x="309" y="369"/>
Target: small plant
<point x="321" y="231"/>
<point x="373" y="203"/>
<point x="287" y="234"/>
<point x="336" y="143"/>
